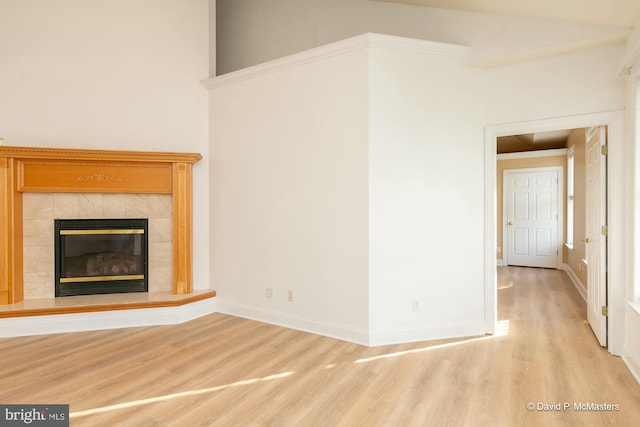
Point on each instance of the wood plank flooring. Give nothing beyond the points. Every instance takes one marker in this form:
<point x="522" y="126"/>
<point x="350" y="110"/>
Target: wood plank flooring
<point x="225" y="371"/>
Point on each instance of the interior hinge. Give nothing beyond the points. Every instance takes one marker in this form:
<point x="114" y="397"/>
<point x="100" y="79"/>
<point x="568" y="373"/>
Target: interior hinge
<point x="605" y="310"/>
<point x="605" y="230"/>
<point x="604" y="149"/>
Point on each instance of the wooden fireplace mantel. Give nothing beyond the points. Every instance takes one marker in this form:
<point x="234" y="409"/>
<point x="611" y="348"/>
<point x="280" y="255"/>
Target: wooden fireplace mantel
<point x="56" y="170"/>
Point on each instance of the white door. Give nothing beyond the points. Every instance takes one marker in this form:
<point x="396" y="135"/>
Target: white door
<point x="532" y="219"/>
<point x="596" y="243"/>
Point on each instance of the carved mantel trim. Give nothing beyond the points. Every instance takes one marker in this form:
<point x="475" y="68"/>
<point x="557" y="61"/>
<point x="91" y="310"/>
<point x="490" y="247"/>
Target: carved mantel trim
<point x="56" y="170"/>
<point x="103" y="155"/>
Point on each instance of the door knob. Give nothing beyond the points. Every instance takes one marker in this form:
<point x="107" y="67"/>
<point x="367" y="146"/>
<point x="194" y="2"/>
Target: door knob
<point x="510" y="223"/>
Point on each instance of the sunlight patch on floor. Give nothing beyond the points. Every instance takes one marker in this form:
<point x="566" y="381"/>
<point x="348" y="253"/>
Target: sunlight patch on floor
<point x="505" y="286"/>
<point x="502" y="329"/>
<point x="150" y="400"/>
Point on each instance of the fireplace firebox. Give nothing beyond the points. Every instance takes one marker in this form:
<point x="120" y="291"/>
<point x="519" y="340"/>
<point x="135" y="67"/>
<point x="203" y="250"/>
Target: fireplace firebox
<point x="100" y="256"/>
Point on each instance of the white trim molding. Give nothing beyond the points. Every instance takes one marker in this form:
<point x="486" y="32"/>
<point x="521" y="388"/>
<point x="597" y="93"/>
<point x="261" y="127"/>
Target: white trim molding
<point x="632" y="56"/>
<point x="342" y="47"/>
<point x="473" y="330"/>
<point x="632" y="361"/>
<point x="616" y="183"/>
<point x="366" y="337"/>
<point x="552" y="50"/>
<point x="631" y="355"/>
<point x="385" y="41"/>
<point x="582" y="290"/>
<point x="299" y="323"/>
<point x="635" y="305"/>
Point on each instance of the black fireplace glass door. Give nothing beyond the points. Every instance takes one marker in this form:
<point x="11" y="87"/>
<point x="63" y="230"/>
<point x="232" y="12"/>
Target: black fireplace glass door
<point x="101" y="256"/>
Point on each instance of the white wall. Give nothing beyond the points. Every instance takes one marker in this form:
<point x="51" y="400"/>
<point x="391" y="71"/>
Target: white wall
<point x="578" y="83"/>
<point x="289" y="194"/>
<point x="110" y="75"/>
<point x="254" y="31"/>
<point x="427" y="166"/>
<point x="631" y="353"/>
<point x="426" y="115"/>
<point x="426" y="169"/>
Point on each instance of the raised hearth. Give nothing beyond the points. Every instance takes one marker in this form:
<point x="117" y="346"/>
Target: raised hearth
<point x="99" y="303"/>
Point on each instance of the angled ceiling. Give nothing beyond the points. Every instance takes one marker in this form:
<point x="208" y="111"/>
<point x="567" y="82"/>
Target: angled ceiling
<point x="617" y="13"/>
<point x="533" y="141"/>
<point x="564" y="27"/>
<point x="620" y="15"/>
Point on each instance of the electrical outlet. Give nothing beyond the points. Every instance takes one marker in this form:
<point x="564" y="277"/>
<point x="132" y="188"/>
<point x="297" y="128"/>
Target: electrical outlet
<point x="268" y="293"/>
<point x="290" y="295"/>
<point x="415" y="305"/>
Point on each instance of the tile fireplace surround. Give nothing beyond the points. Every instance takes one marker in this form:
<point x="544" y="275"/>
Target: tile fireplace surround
<point x="165" y="178"/>
<point x="41" y="209"/>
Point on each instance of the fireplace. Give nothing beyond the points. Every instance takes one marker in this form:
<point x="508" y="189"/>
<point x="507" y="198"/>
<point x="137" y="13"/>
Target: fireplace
<point x="100" y="256"/>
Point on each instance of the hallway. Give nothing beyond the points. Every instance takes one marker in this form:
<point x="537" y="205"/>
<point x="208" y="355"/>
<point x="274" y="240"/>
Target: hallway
<point x="555" y="358"/>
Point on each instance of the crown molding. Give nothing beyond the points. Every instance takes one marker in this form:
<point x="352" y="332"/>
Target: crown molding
<point x="550" y="51"/>
<point x="427" y="47"/>
<point x="352" y="44"/>
<point x="631" y="61"/>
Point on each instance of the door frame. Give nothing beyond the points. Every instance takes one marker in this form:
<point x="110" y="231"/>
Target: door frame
<point x="560" y="219"/>
<point x="618" y="190"/>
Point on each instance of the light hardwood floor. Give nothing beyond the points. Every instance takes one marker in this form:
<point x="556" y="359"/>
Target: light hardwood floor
<point x="225" y="371"/>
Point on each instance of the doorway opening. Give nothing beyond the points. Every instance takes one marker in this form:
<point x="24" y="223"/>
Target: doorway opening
<point x="612" y="123"/>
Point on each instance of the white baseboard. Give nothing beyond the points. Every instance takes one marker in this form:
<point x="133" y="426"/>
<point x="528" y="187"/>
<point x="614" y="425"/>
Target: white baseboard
<point x="632" y="361"/>
<point x="631" y="350"/>
<point x="93" y="321"/>
<point x="349" y="333"/>
<point x="300" y="323"/>
<point x="404" y="335"/>
<point x="576" y="282"/>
